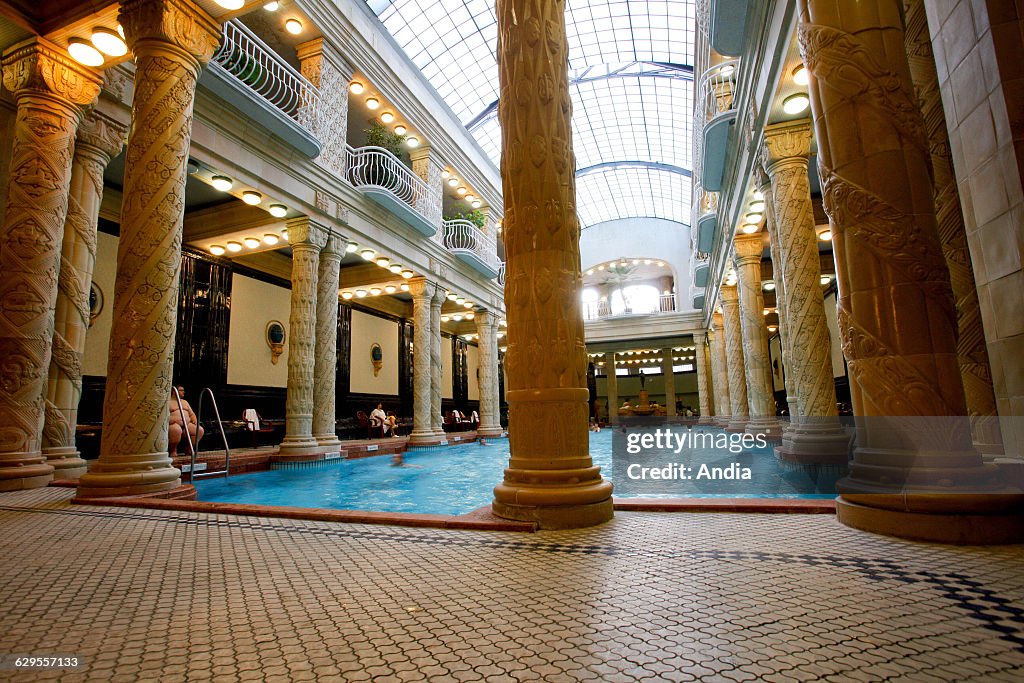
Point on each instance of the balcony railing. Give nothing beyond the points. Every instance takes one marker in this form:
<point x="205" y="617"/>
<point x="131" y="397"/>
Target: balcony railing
<point x="501" y="274"/>
<point x="598" y="310"/>
<point x="705" y="218"/>
<point x="474" y="246"/>
<point x="385" y="179"/>
<point x="243" y="55"/>
<point x="716" y="87"/>
<point x="715" y="108"/>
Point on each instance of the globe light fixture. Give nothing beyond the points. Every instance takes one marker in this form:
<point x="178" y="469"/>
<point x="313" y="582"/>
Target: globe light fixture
<point x="794" y="104"/>
<point x="222" y="183"/>
<point x="271" y="239"/>
<point x="383" y="261"/>
<point x="360" y="293"/>
<point x="387" y="117"/>
<point x="756" y="206"/>
<point x="356" y="88"/>
<point x="84" y="53"/>
<point x="231" y="4"/>
<point x="390" y="289"/>
<point x="406" y="274"/>
<point x="395" y="268"/>
<point x="400" y="130"/>
<point x="476" y="204"/>
<point x="293" y="26"/>
<point x="825" y="236"/>
<point x="251" y="242"/>
<point x="375" y="291"/>
<point x="768" y="286"/>
<point x="278" y="210"/>
<point x="234" y="247"/>
<point x="252" y="198"/>
<point x="351" y="247"/>
<point x="372" y="103"/>
<point x="216" y="250"/>
<point x="825" y="279"/>
<point x="272" y="6"/>
<point x="750" y="229"/>
<point x="109" y="42"/>
<point x="368" y="254"/>
<point x="452" y="182"/>
<point x="801" y="76"/>
<point x="347" y="295"/>
<point x="404" y="287"/>
<point x="412" y="142"/>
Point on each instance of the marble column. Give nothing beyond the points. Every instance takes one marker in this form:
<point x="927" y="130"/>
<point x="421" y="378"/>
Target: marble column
<point x="739" y="411"/>
<point x="703" y="386"/>
<point x="816" y="434"/>
<point x="723" y="407"/>
<point x="427" y="165"/>
<point x="100" y="138"/>
<point x="551" y="479"/>
<point x="487" y="328"/>
<point x="422" y="293"/>
<point x="307" y="240"/>
<point x="325" y="367"/>
<point x="50" y="91"/>
<point x="896" y="308"/>
<point x="324" y="66"/>
<point x="747" y="251"/>
<point x="436" y="364"/>
<point x="613" y="388"/>
<point x="971" y="349"/>
<point x="670" y="381"/>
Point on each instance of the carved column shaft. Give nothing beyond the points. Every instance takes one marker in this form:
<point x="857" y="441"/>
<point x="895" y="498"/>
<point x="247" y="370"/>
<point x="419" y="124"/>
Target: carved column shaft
<point x="323" y="66"/>
<point x="307" y="240"/>
<point x="325" y="368"/>
<point x="171" y="40"/>
<point x="761" y="398"/>
<point x="703" y="387"/>
<point x="99" y="139"/>
<point x="551" y="478"/>
<point x="487" y="327"/>
<point x="723" y="399"/>
<point x="734" y="361"/>
<point x="670" y="381"/>
<point x="613" y="387"/>
<point x="427" y="166"/>
<point x="49" y="90"/>
<point x="436" y="363"/>
<point x="422" y="382"/>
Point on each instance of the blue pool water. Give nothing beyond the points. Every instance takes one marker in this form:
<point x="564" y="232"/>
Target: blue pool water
<point x="453" y="481"/>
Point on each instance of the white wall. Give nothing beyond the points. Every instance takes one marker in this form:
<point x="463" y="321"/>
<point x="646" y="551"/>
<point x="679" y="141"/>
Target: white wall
<point x="472" y="364"/>
<point x="447" y="390"/>
<point x="368" y="330"/>
<point x="831" y="313"/>
<point x="97" y="341"/>
<point x="255" y="303"/>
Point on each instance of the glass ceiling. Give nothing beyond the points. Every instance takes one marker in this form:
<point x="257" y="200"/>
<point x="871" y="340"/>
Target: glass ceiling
<point x="631" y="85"/>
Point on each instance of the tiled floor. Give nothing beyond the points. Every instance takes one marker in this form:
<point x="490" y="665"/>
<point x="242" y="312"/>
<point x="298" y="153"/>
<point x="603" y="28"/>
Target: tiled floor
<point x="146" y="595"/>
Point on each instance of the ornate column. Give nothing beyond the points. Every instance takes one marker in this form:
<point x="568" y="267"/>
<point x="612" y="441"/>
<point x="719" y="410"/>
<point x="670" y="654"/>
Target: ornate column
<point x="427" y="166"/>
<point x="703" y="387"/>
<point x="325" y="368"/>
<point x="734" y="360"/>
<point x="551" y="478"/>
<point x="436" y="369"/>
<point x="896" y="307"/>
<point x="747" y="255"/>
<point x="816" y="435"/>
<point x="971" y="350"/>
<point x="50" y="91"/>
<point x="487" y="328"/>
<point x="100" y="138"/>
<point x="422" y="377"/>
<point x="670" y="381"/>
<point x="723" y="399"/>
<point x="324" y="66"/>
<point x="307" y="239"/>
<point x="612" y="381"/>
<point x="171" y="40"/>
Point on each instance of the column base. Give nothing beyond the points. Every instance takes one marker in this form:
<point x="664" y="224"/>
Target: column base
<point x="706" y="421"/>
<point x="556" y="516"/>
<point x="768" y="426"/>
<point x="29" y="472"/>
<point x="328" y="442"/>
<point x="961" y="527"/>
<point x="815" y="443"/>
<point x="128" y="475"/>
<point x="489" y="432"/>
<point x="67" y="463"/>
<point x="737" y="424"/>
<point x="306" y="445"/>
<point x="423" y="439"/>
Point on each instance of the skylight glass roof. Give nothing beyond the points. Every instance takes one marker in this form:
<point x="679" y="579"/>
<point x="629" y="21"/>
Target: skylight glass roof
<point x="632" y="191"/>
<point x="631" y="100"/>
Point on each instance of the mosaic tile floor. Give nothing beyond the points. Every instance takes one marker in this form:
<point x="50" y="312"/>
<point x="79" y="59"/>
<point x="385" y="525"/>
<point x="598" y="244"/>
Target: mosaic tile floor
<point x="146" y="595"/>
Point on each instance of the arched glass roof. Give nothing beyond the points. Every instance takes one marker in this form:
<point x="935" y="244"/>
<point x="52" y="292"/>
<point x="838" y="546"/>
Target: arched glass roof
<point x="631" y="85"/>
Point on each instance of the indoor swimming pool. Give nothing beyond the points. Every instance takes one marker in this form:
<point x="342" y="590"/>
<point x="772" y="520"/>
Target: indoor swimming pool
<point x="458" y="479"/>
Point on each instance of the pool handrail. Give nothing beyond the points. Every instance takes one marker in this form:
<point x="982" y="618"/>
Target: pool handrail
<point x="223" y="437"/>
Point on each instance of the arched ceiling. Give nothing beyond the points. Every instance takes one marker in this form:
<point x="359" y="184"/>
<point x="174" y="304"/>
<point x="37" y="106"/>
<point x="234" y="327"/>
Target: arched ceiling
<point x="631" y="82"/>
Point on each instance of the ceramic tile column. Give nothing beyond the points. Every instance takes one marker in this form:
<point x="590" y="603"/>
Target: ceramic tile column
<point x="325" y="368"/>
<point x="171" y="40"/>
<point x="747" y="255"/>
<point x="893" y="279"/>
<point x="487" y="328"/>
<point x="703" y="385"/>
<point x="816" y="434"/>
<point x="723" y="400"/>
<point x="670" y="381"/>
<point x="307" y="240"/>
<point x="613" y="387"/>
<point x="100" y="138"/>
<point x="324" y="66"/>
<point x="551" y="478"/>
<point x="422" y="378"/>
<point x="50" y="91"/>
<point x="734" y="361"/>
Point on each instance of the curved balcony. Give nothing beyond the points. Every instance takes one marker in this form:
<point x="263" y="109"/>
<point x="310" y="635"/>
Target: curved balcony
<point x="382" y="177"/>
<point x="705" y="222"/>
<point x="716" y="107"/>
<point x="601" y="310"/>
<point x="473" y="246"/>
<point x="700" y="274"/>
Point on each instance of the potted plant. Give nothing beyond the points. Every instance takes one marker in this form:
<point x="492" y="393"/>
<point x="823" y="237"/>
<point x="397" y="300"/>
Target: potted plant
<point x="378" y="135"/>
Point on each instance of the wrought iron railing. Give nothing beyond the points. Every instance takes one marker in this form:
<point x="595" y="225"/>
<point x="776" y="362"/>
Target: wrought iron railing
<point x="714" y="94"/>
<point x="379" y="169"/>
<point x="464" y="236"/>
<point x="501" y="274"/>
<point x="243" y="55"/>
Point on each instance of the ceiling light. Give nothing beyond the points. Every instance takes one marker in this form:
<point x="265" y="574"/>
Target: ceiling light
<point x="347" y="295"/>
<point x="400" y="130"/>
<point x="460" y="299"/>
<point x="757" y="195"/>
<point x="84" y="53"/>
<point x="756" y="207"/>
<point x="601" y="267"/>
<point x="468" y="304"/>
<point x="278" y="210"/>
<point x="470" y="316"/>
<point x="825" y="235"/>
<point x="109" y="42"/>
<point x="766" y="311"/>
<point x="661" y="264"/>
<point x="453" y="182"/>
<point x="252" y="198"/>
<point x="383" y="261"/>
<point x="469" y="197"/>
<point x="216" y="250"/>
<point x="404" y="287"/>
<point x="457" y="317"/>
<point x="444" y="318"/>
<point x="272" y="6"/>
<point x="367" y="254"/>
<point x="794" y="104"/>
<point x="452" y="296"/>
<point x="387" y="117"/>
<point x="390" y="289"/>
<point x="769" y="286"/>
<point x="355" y="87"/>
<point x="407" y="274"/>
<point x="284" y="234"/>
<point x="753" y="218"/>
<point x="477" y="204"/>
<point x="372" y="103"/>
<point x="825" y="279"/>
<point x="120" y="30"/>
<point x="375" y="291"/>
<point x="395" y="268"/>
<point x="231" y="4"/>
<point x="192" y="167"/>
<point x="251" y="242"/>
<point x="412" y="142"/>
<point x="590" y="272"/>
<point x="293" y="26"/>
<point x="772" y="328"/>
<point x="360" y="293"/>
<point x="222" y="183"/>
<point x="727" y="70"/>
<point x="750" y="228"/>
<point x="445" y="173"/>
<point x="271" y="239"/>
<point x="234" y="247"/>
<point x="351" y="247"/>
<point x="801" y="76"/>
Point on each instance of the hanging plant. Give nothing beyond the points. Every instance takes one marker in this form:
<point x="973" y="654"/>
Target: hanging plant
<point x="378" y="135"/>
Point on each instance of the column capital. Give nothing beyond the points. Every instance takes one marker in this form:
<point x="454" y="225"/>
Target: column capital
<point x="37" y="66"/>
<point x="485" y="319"/>
<point x="101" y="133"/>
<point x="717" y="322"/>
<point x="786" y="143"/>
<point x="700" y="336"/>
<point x="334" y="245"/>
<point x="314" y="52"/>
<point x="439" y="295"/>
<point x="421" y="288"/>
<point x="730" y="295"/>
<point x="762" y="181"/>
<point x="423" y="152"/>
<point x="179" y="23"/>
<point x="747" y="249"/>
<point x="303" y="232"/>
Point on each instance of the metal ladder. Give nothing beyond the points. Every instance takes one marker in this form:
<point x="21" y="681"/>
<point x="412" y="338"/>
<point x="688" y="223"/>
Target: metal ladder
<point x="223" y="437"/>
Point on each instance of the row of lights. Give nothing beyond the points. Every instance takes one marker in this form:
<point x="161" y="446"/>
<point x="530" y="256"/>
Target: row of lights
<point x="374" y="291"/>
<point x="623" y="263"/>
<point x="103" y="43"/>
<point x="755" y="213"/>
<point x="386" y="117"/>
<point x="794" y="104"/>
<point x="270" y="239"/>
<point x="461" y="190"/>
<point x="292" y="25"/>
<point x="769" y="285"/>
<point x="382" y="261"/>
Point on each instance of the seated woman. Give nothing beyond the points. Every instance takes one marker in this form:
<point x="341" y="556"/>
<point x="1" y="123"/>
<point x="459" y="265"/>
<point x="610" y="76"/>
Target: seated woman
<point x="178" y="421"/>
<point x="378" y="418"/>
<point x="390" y="423"/>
